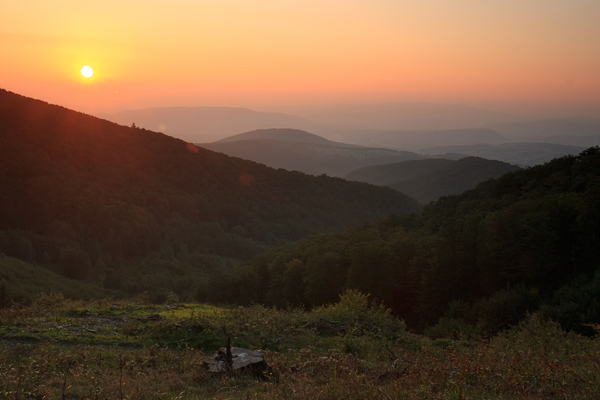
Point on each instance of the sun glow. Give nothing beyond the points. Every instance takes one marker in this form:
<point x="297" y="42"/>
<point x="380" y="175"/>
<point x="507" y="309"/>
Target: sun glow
<point x="87" y="71"/>
<point x="466" y="51"/>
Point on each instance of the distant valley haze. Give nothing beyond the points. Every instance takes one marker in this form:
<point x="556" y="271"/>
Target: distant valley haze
<point x="206" y="124"/>
<point x="410" y="127"/>
<point x="381" y="65"/>
<point x="365" y="124"/>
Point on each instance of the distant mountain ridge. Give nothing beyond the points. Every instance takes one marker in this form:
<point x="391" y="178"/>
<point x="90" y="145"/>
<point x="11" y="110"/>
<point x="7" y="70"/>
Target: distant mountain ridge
<point x="427" y="180"/>
<point x="297" y="150"/>
<point x="413" y="140"/>
<point x="525" y="154"/>
<point x="577" y="126"/>
<point x="567" y="140"/>
<point x="398" y="126"/>
<point x="390" y="174"/>
<point x="206" y="124"/>
<point x="403" y="116"/>
<point x="285" y="134"/>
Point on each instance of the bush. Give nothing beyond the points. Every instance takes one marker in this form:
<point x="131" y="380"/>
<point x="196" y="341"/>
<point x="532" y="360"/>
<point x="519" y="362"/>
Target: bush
<point x="355" y="307"/>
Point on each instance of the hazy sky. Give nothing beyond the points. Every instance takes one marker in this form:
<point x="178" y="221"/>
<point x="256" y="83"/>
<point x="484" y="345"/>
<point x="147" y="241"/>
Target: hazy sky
<point x="259" y="53"/>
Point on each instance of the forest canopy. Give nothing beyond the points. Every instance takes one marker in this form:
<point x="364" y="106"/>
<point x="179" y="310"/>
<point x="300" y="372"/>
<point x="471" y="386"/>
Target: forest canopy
<point x="130" y="210"/>
<point x="475" y="262"/>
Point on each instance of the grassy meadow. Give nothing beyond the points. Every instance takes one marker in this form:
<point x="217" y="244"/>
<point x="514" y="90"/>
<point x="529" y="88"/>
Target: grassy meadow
<point x="55" y="348"/>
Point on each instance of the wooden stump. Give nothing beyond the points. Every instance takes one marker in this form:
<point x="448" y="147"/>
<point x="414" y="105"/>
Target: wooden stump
<point x="236" y="359"/>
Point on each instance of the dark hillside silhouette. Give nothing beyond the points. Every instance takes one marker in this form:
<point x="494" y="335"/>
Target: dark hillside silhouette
<point x="428" y="180"/>
<point x="473" y="263"/>
<point x="389" y="174"/>
<point x="98" y="201"/>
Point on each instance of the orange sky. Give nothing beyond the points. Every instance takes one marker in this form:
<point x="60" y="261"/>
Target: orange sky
<point x="263" y="53"/>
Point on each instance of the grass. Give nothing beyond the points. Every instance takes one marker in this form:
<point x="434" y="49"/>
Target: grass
<point x="19" y="280"/>
<point x="62" y="349"/>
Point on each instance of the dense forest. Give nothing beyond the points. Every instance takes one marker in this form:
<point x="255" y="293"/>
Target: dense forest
<point x="133" y="210"/>
<point x="125" y="210"/>
<point x="473" y="263"/>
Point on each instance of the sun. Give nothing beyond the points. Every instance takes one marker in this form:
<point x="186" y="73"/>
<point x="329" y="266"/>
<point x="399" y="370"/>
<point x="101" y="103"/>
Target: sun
<point x="87" y="71"/>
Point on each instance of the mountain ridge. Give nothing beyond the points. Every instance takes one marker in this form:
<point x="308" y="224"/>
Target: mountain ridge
<point x="427" y="180"/>
<point x="298" y="150"/>
<point x="285" y="134"/>
<point x="525" y="154"/>
<point x="91" y="199"/>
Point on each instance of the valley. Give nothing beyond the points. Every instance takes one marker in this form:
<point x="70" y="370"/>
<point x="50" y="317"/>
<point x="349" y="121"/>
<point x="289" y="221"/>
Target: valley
<point x="127" y="257"/>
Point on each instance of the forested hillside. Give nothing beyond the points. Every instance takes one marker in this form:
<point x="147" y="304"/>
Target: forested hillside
<point x="475" y="262"/>
<point x="21" y="281"/>
<point x="430" y="179"/>
<point x="133" y="209"/>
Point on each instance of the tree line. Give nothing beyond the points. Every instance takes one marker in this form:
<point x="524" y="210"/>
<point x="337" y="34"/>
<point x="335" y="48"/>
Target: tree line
<point x="475" y="262"/>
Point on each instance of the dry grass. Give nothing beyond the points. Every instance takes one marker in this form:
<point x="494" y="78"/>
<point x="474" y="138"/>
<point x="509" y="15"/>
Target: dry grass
<point x="361" y="353"/>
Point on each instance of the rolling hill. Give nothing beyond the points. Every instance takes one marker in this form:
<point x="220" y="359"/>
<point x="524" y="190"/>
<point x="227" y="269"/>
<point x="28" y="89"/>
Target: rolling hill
<point x="22" y="282"/>
<point x="569" y="140"/>
<point x="283" y="134"/>
<point x="297" y="150"/>
<point x="135" y="210"/>
<point x="573" y="131"/>
<point x="524" y="154"/>
<point x="427" y="180"/>
<point x="414" y="140"/>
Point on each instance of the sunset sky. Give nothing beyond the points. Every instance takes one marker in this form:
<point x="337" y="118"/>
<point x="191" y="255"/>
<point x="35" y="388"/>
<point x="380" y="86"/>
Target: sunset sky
<point x="263" y="54"/>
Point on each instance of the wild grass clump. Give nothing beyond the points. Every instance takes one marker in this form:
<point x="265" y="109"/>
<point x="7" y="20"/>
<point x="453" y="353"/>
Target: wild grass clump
<point x="354" y="306"/>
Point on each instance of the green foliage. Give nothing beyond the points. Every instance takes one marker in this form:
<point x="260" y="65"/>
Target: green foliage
<point x="133" y="210"/>
<point x="308" y="357"/>
<point x="22" y="282"/>
<point x="486" y="316"/>
<point x="470" y="265"/>
<point x="576" y="304"/>
<point x="355" y="306"/>
<point x="75" y="263"/>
